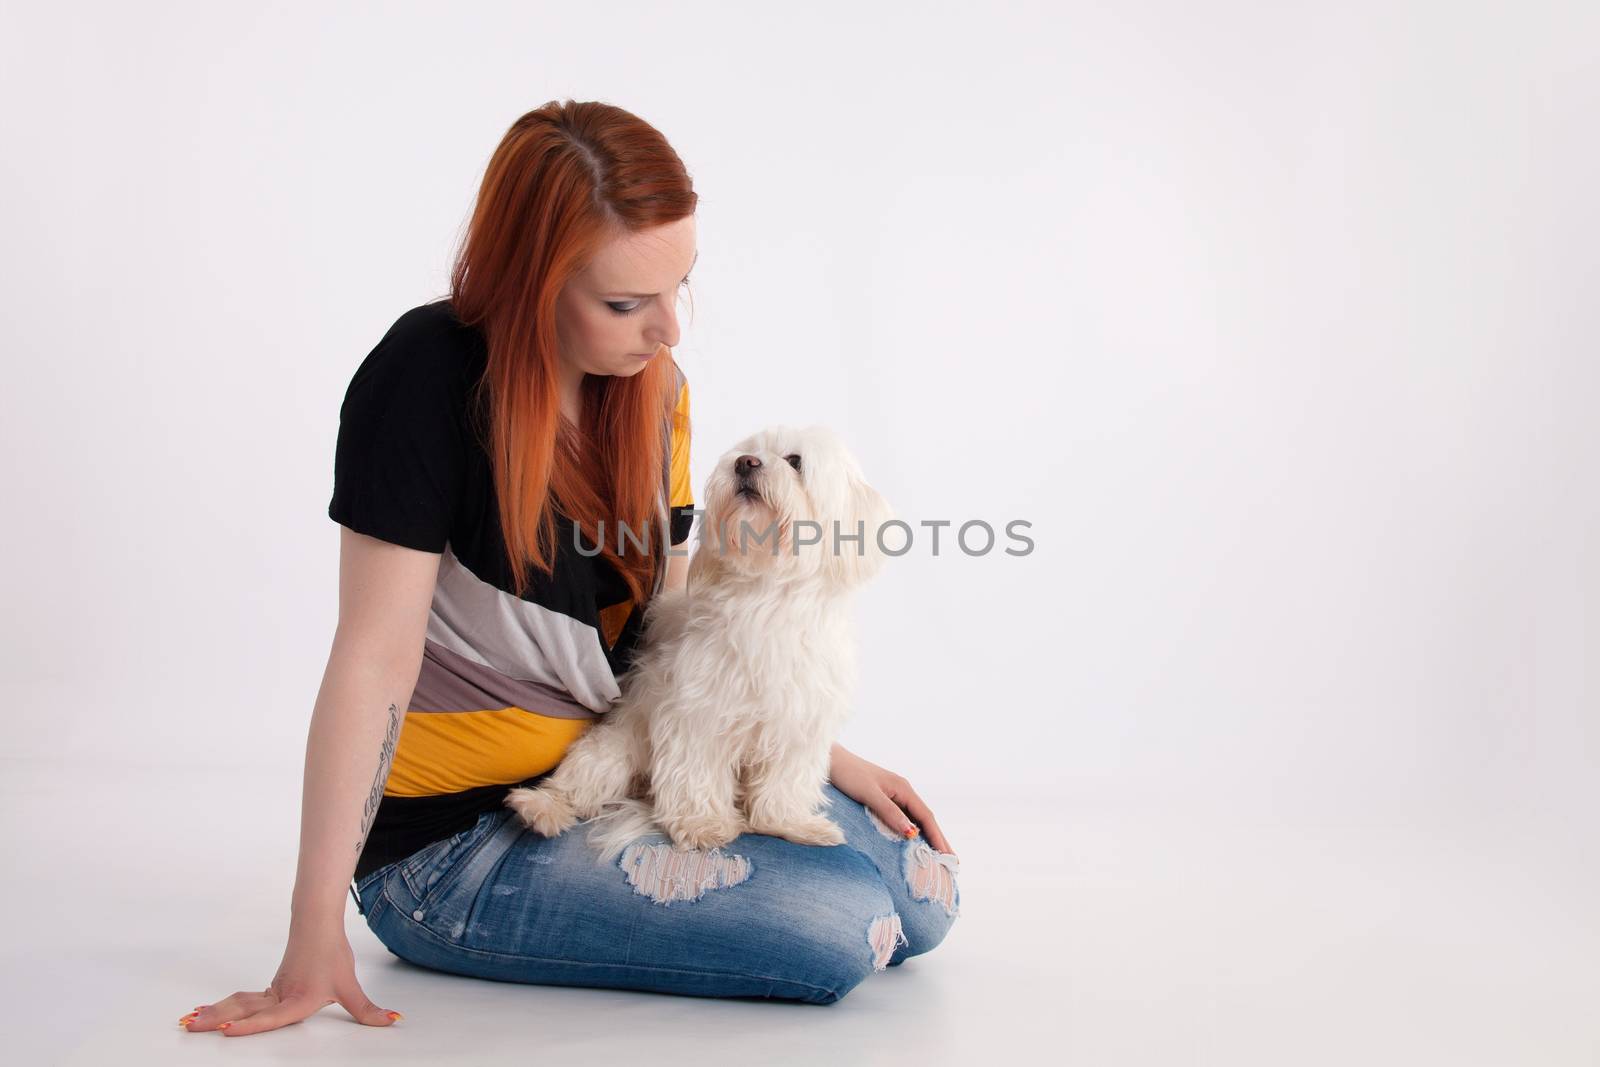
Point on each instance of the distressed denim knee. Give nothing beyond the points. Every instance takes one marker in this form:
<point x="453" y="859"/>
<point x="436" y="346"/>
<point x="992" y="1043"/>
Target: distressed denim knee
<point x="814" y="929"/>
<point x="930" y="879"/>
<point x="849" y="928"/>
<point x="922" y="880"/>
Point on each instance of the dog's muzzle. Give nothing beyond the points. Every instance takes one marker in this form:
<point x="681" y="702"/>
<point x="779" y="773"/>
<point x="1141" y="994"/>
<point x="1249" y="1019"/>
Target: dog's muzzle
<point x="746" y="470"/>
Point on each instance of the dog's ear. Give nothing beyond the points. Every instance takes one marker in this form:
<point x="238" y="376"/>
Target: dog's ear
<point x="850" y="561"/>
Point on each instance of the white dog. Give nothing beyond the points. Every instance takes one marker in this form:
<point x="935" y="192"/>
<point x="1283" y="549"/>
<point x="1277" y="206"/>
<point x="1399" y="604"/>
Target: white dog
<point x="741" y="684"/>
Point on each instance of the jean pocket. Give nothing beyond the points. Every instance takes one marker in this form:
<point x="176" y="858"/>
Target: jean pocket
<point x="369" y="892"/>
<point x="430" y="870"/>
<point x="375" y="875"/>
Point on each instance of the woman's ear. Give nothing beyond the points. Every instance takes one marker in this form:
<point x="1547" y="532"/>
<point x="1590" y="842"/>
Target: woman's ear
<point x="852" y="552"/>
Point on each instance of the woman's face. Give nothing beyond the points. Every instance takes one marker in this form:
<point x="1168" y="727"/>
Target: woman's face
<point x="613" y="316"/>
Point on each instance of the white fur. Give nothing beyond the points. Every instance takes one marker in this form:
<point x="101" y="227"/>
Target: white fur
<point x="741" y="683"/>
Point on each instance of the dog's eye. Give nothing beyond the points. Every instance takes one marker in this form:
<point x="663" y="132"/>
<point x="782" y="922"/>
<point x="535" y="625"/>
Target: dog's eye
<point x="793" y="459"/>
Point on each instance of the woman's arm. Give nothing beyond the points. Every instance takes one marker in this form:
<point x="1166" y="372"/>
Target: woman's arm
<point x="886" y="794"/>
<point x="678" y="569"/>
<point x="384" y="594"/>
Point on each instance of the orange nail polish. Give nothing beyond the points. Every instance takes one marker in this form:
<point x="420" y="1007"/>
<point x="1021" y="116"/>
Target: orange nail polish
<point x="224" y="1026"/>
<point x="396" y="1016"/>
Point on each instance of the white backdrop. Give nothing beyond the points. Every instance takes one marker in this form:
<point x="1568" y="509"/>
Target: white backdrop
<point x="1276" y="322"/>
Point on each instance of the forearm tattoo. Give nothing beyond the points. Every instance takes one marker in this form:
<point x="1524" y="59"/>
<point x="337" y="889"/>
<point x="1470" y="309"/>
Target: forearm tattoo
<point x="391" y="737"/>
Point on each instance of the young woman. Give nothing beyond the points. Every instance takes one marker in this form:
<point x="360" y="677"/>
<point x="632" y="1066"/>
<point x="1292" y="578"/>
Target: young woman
<point x="480" y="445"/>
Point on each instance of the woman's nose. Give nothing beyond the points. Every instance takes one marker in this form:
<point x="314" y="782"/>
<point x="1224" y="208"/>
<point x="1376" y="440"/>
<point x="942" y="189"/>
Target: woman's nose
<point x="667" y="334"/>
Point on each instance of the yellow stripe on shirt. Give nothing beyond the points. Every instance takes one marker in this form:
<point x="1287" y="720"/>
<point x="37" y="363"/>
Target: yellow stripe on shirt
<point x="681" y="493"/>
<point x="446" y="752"/>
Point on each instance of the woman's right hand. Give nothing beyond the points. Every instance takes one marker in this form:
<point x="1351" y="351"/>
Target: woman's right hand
<point x="317" y="970"/>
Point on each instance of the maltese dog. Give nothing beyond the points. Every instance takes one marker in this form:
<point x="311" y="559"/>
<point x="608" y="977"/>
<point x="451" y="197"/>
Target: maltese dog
<point x="742" y="682"/>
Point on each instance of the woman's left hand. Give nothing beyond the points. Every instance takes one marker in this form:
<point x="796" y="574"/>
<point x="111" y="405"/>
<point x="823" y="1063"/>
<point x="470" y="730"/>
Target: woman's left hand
<point x="886" y="794"/>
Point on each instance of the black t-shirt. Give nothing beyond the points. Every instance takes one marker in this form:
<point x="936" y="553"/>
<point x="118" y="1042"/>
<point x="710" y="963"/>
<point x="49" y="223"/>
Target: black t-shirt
<point x="507" y="682"/>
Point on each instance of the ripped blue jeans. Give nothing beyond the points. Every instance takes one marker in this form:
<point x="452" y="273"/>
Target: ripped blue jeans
<point x="759" y="917"/>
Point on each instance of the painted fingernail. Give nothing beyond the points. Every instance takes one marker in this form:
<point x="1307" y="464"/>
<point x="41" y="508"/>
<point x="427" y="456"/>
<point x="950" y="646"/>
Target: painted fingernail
<point x="910" y="831"/>
<point x="396" y="1016"/>
<point x="224" y="1026"/>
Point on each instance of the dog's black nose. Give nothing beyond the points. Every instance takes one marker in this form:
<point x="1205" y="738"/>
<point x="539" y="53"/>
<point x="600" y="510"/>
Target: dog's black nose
<point x="745" y="464"/>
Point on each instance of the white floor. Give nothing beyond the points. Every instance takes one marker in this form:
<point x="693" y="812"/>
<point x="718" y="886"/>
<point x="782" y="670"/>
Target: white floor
<point x="1090" y="934"/>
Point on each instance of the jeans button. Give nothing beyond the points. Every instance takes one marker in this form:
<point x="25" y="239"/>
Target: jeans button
<point x="417" y="915"/>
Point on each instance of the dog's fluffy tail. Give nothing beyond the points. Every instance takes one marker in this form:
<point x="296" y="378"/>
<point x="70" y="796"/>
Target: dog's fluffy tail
<point x="619" y="823"/>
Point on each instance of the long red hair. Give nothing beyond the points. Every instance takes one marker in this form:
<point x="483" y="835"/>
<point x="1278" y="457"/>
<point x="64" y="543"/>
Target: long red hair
<point x="567" y="177"/>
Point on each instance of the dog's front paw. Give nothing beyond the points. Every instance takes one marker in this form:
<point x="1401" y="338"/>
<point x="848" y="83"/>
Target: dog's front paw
<point x="699" y="832"/>
<point x="810" y="830"/>
<point x="545" y="812"/>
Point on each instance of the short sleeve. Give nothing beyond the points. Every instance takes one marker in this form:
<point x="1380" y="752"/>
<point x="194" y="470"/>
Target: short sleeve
<point x="681" y="492"/>
<point x="400" y="458"/>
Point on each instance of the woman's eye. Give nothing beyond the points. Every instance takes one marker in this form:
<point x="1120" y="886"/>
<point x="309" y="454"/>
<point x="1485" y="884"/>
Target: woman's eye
<point x="624" y="308"/>
<point x="793" y="459"/>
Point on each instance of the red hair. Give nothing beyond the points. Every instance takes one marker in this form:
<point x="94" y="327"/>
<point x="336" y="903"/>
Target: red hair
<point x="567" y="178"/>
